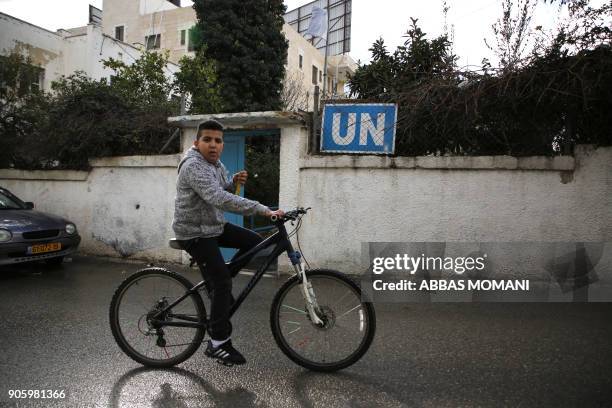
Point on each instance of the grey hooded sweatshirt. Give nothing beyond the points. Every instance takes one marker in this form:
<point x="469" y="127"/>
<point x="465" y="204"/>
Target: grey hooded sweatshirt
<point x="202" y="195"/>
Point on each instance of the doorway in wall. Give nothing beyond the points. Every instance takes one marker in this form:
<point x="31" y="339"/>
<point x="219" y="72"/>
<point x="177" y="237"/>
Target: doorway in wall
<point x="258" y="152"/>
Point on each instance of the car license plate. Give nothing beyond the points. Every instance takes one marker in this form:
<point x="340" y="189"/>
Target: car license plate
<point x="50" y="247"/>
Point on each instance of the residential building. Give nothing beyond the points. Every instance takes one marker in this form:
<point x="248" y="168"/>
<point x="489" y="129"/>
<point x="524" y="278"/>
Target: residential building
<point x="63" y="52"/>
<point x="150" y="24"/>
<point x="305" y="70"/>
<point x="164" y="25"/>
<point x="124" y="28"/>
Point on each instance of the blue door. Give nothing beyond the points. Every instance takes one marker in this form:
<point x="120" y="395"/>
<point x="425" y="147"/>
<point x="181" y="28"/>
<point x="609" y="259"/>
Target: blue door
<point x="233" y="159"/>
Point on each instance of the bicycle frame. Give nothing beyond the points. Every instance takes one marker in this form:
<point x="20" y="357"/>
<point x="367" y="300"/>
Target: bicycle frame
<point x="283" y="244"/>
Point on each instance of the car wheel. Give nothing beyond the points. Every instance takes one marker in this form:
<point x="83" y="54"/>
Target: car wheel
<point x="55" y="261"/>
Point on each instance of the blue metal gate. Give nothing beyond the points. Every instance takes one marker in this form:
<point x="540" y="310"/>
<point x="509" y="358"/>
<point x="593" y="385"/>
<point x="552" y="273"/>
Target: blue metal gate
<point x="233" y="158"/>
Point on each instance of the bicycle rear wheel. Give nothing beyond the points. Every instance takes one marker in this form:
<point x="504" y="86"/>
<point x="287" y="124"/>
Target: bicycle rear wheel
<point x="134" y="318"/>
<point x="348" y="329"/>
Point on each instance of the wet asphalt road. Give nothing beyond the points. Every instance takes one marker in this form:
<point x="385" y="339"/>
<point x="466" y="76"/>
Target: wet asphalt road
<point x="54" y="334"/>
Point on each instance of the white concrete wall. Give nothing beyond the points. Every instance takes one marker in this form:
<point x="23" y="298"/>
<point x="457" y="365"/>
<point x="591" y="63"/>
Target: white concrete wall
<point x="440" y="199"/>
<point x="122" y="207"/>
<point x="75" y="54"/>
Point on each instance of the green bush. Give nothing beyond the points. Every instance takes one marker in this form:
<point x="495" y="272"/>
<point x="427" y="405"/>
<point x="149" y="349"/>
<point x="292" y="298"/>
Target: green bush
<point x="543" y="104"/>
<point x="84" y="118"/>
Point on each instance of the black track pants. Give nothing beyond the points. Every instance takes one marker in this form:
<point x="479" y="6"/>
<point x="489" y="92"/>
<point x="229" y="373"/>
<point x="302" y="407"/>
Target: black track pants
<point x="206" y="250"/>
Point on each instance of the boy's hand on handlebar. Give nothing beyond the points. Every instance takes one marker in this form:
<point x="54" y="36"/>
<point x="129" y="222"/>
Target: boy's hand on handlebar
<point x="278" y="214"/>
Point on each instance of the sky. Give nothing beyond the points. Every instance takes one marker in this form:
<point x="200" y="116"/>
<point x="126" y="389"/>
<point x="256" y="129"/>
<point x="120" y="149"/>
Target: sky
<point x="389" y="19"/>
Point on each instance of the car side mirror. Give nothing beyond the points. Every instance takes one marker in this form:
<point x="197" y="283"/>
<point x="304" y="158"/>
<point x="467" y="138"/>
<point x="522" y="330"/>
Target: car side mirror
<point x="29" y="205"/>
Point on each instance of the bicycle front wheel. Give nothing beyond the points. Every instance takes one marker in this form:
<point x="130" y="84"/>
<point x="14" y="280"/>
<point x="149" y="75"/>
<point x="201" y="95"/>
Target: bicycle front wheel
<point x="147" y="336"/>
<point x="347" y="328"/>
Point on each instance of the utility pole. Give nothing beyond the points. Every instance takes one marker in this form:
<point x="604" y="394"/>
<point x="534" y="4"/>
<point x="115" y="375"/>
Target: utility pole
<point x="325" y="61"/>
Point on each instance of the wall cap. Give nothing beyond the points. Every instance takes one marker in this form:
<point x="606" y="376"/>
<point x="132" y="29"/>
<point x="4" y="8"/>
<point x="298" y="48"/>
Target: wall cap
<point x="70" y="175"/>
<point x="559" y="163"/>
<point x="169" y="160"/>
<point x="243" y="120"/>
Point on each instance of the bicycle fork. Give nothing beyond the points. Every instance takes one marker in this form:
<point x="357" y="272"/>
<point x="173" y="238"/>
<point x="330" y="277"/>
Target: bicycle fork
<point x="309" y="297"/>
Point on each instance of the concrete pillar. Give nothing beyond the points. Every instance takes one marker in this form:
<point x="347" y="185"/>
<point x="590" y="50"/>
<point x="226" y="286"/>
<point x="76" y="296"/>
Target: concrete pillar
<point x="187" y="138"/>
<point x="293" y="148"/>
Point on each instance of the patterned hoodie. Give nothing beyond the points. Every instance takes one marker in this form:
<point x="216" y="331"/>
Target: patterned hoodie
<point x="203" y="193"/>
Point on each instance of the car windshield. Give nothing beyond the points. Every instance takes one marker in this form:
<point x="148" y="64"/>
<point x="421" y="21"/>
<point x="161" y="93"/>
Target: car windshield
<point x="10" y="203"/>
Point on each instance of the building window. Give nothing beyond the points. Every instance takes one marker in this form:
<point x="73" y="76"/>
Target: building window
<point x="119" y="30"/>
<point x="183" y="36"/>
<point x="301" y="61"/>
<point x="27" y="78"/>
<point x="153" y="42"/>
<point x="320" y="76"/>
<point x="38" y="80"/>
<point x="315" y="73"/>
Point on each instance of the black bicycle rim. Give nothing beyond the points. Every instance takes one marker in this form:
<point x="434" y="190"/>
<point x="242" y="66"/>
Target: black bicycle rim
<point x="120" y="337"/>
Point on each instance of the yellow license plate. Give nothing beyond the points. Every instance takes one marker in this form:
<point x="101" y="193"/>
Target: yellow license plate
<point x="38" y="249"/>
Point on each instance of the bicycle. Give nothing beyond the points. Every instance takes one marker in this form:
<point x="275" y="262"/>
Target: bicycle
<point x="318" y="317"/>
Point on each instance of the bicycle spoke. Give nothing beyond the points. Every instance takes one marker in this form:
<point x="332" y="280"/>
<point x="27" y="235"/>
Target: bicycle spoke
<point x="348" y="311"/>
<point x="348" y="292"/>
<point x="295" y="310"/>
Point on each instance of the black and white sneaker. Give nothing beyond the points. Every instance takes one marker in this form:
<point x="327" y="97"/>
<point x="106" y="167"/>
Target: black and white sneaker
<point x="225" y="354"/>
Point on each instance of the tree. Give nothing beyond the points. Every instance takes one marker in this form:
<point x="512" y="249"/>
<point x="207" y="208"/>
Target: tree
<point x="511" y="32"/>
<point x="390" y="74"/>
<point x="585" y="29"/>
<point x="89" y="118"/>
<point x="81" y="117"/>
<point x="22" y="105"/>
<point x="145" y="82"/>
<point x="294" y="95"/>
<point x="375" y="79"/>
<point x="198" y="78"/>
<point x="244" y="37"/>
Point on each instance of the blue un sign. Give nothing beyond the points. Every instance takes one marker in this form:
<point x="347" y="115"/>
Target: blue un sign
<point x="359" y="128"/>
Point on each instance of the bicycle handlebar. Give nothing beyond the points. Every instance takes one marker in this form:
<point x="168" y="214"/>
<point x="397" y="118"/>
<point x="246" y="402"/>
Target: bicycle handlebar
<point x="290" y="215"/>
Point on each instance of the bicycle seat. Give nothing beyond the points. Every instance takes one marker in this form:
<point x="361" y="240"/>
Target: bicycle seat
<point x="174" y="243"/>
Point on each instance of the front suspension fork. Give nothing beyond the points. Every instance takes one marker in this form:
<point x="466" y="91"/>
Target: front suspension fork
<point x="309" y="297"/>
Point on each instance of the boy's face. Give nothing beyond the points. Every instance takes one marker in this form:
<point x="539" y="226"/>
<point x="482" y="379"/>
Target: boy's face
<point x="210" y="144"/>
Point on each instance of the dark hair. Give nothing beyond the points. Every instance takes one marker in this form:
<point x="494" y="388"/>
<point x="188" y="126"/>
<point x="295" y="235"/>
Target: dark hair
<point x="210" y="125"/>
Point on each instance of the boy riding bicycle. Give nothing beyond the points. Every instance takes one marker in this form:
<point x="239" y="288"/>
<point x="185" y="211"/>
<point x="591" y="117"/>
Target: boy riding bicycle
<point x="203" y="193"/>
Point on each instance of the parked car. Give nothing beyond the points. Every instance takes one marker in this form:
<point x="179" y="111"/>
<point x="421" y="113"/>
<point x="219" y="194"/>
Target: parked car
<point x="29" y="235"/>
